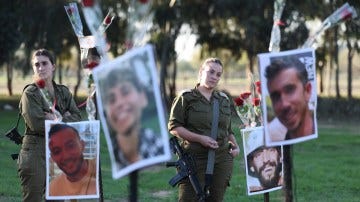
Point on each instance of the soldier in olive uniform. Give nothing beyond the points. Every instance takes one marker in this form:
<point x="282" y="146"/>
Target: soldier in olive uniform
<point x="191" y="120"/>
<point x="35" y="110"/>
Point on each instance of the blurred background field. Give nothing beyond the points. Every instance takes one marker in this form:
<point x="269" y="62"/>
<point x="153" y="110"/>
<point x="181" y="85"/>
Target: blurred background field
<point x="325" y="169"/>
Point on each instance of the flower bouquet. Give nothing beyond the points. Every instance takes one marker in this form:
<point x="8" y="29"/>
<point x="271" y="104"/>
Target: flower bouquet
<point x="248" y="107"/>
<point x="139" y="20"/>
<point x="275" y="31"/>
<point x="74" y="17"/>
<point x="90" y="105"/>
<point x="345" y="12"/>
<point x="107" y="21"/>
<point x="49" y="100"/>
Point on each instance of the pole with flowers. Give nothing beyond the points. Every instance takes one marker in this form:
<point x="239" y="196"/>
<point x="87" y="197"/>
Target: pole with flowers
<point x="88" y="43"/>
<point x="274" y="46"/>
<point x="342" y="14"/>
<point x="139" y="20"/>
<point x="247" y="104"/>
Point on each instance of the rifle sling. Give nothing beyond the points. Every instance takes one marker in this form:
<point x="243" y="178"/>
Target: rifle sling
<point x="211" y="152"/>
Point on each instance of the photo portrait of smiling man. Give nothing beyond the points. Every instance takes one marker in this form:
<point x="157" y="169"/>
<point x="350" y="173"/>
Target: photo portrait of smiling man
<point x="290" y="96"/>
<point x="72" y="166"/>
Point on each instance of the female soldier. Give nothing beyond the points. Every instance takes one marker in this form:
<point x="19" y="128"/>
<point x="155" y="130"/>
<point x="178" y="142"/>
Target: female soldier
<point x="191" y="120"/>
<point x="35" y="110"/>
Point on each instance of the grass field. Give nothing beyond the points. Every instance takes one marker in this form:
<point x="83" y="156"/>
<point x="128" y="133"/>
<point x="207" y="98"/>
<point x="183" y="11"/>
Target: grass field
<point x="326" y="169"/>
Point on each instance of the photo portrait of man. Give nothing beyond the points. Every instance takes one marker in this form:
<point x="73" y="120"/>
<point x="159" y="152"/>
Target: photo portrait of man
<point x="77" y="177"/>
<point x="263" y="164"/>
<point x="131" y="113"/>
<point x="290" y="85"/>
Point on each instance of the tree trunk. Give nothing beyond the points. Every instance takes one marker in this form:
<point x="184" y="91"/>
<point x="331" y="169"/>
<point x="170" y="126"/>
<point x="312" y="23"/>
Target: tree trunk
<point x="59" y="67"/>
<point x="169" y="82"/>
<point x="251" y="62"/>
<point x="9" y="70"/>
<point x="349" y="69"/>
<point x="163" y="72"/>
<point x="321" y="67"/>
<point x="321" y="74"/>
<point x="287" y="160"/>
<point x="172" y="82"/>
<point x="336" y="60"/>
<point x="330" y="42"/>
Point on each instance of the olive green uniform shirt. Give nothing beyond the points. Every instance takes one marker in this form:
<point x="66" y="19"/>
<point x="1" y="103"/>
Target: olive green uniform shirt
<point x="194" y="112"/>
<point x="32" y="161"/>
<point x="33" y="107"/>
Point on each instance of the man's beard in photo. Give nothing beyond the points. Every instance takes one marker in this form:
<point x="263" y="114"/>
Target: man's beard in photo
<point x="272" y="182"/>
<point x="78" y="168"/>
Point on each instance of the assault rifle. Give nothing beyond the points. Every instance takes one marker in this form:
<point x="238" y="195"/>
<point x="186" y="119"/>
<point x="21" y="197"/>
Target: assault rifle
<point x="186" y="168"/>
<point x="14" y="136"/>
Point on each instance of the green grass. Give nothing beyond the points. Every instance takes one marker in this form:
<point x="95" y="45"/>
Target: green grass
<point x="326" y="169"/>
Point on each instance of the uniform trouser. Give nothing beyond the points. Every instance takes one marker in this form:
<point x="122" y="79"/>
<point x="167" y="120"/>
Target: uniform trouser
<point x="32" y="168"/>
<point x="220" y="180"/>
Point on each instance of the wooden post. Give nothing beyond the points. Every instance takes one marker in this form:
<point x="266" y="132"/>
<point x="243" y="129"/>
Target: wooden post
<point x="101" y="199"/>
<point x="100" y="184"/>
<point x="266" y="197"/>
<point x="287" y="161"/>
<point x="133" y="186"/>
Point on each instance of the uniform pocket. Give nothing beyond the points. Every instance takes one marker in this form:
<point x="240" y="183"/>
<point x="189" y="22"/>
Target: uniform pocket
<point x="225" y="110"/>
<point x="25" y="162"/>
<point x="199" y="116"/>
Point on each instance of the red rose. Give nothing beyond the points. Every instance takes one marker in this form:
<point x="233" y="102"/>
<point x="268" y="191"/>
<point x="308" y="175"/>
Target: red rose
<point x="143" y="1"/>
<point x="92" y="65"/>
<point x="258" y="89"/>
<point x="69" y="10"/>
<point x="107" y="20"/>
<point x="245" y="95"/>
<point x="40" y="83"/>
<point x="239" y="102"/>
<point x="345" y="15"/>
<point x="256" y="101"/>
<point x="88" y="3"/>
<point x="128" y="45"/>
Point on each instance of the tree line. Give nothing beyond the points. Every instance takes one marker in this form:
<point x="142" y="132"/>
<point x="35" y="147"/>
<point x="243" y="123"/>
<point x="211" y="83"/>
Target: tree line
<point x="237" y="26"/>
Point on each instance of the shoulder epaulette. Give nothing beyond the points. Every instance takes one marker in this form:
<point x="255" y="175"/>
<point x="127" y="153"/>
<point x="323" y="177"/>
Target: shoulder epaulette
<point x="30" y="87"/>
<point x="185" y="91"/>
<point x="223" y="95"/>
<point x="62" y="86"/>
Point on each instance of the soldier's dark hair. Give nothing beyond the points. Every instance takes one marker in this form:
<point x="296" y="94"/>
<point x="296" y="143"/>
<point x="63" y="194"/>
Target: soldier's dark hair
<point x="59" y="127"/>
<point x="46" y="53"/>
<point x="279" y="64"/>
<point x="212" y="60"/>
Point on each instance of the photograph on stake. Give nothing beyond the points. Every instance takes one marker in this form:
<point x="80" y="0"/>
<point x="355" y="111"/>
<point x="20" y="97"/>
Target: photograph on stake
<point x="72" y="165"/>
<point x="289" y="94"/>
<point x="264" y="168"/>
<point x="131" y="111"/>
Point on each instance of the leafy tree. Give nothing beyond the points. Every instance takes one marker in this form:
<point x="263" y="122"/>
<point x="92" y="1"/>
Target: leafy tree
<point x="9" y="37"/>
<point x="353" y="46"/>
